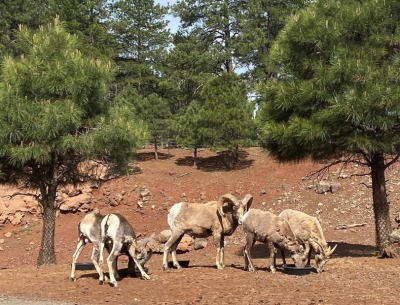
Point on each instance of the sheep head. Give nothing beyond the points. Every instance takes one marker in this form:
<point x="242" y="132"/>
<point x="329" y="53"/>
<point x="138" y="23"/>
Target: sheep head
<point x="239" y="207"/>
<point x="143" y="252"/>
<point x="299" y="257"/>
<point x="324" y="256"/>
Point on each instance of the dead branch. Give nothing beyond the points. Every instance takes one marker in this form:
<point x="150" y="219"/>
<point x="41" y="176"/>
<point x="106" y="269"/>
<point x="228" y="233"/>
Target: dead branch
<point x="184" y="174"/>
<point x="325" y="169"/>
<point x="366" y="185"/>
<point x="36" y="196"/>
<point x="344" y="227"/>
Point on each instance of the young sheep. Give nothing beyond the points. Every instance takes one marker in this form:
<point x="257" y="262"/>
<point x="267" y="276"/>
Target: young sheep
<point x="117" y="229"/>
<point x="266" y="227"/>
<point x="217" y="218"/>
<point x="308" y="231"/>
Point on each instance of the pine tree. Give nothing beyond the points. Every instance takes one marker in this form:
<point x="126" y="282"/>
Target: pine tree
<point x="54" y="115"/>
<point x="337" y="91"/>
<point x="89" y="20"/>
<point x="12" y="14"/>
<point x="142" y="39"/>
<point x="226" y="116"/>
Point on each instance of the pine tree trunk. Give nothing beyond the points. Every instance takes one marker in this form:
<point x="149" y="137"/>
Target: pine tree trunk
<point x="155" y="149"/>
<point x="380" y="203"/>
<point x="230" y="160"/>
<point x="47" y="254"/>
<point x="195" y="157"/>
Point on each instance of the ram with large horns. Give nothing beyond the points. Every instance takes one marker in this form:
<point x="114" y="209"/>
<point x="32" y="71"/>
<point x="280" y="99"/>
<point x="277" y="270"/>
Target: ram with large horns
<point x="216" y="218"/>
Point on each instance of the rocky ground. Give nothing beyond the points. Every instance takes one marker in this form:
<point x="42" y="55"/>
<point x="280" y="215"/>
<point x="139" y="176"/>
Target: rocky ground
<point x="343" y="203"/>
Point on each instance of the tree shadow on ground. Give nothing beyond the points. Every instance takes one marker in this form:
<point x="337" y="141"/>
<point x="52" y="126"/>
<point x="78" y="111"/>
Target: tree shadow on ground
<point x="147" y="156"/>
<point x="260" y="250"/>
<point x="218" y="163"/>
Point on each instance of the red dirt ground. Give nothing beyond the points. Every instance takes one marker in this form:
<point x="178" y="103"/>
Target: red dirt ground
<point x="354" y="275"/>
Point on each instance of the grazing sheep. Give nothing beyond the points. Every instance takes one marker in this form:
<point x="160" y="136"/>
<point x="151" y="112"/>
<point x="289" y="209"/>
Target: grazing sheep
<point x="217" y="218"/>
<point x="117" y="229"/>
<point x="266" y="227"/>
<point x="308" y="231"/>
<point x="89" y="232"/>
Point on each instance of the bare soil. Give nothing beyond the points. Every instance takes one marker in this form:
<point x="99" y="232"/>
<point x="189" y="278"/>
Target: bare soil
<point x="354" y="275"/>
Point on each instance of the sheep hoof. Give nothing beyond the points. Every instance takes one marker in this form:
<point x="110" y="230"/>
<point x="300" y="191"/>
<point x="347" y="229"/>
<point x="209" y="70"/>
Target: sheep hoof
<point x="73" y="279"/>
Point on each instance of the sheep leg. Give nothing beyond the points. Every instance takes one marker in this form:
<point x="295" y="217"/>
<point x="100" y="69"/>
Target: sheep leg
<point x="95" y="259"/>
<point x="173" y="253"/>
<point x="170" y="246"/>
<point x="283" y="256"/>
<point x="219" y="244"/>
<point x="131" y="265"/>
<point x="100" y="261"/>
<point x="115" y="268"/>
<point x="132" y="253"/>
<point x="272" y="252"/>
<point x="110" y="262"/>
<point x="307" y="252"/>
<point x="248" y="264"/>
<point x="79" y="248"/>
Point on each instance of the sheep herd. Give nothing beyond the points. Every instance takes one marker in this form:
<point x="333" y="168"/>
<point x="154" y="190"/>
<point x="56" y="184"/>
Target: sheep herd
<point x="292" y="230"/>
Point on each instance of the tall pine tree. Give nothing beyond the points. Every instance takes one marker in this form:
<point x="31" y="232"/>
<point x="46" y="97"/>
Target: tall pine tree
<point x="54" y="115"/>
<point x="337" y="91"/>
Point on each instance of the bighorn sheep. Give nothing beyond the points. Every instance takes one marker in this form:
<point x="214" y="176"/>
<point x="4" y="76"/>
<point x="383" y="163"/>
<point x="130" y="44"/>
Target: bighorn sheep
<point x="308" y="231"/>
<point x="89" y="232"/>
<point x="117" y="229"/>
<point x="217" y="218"/>
<point x="269" y="228"/>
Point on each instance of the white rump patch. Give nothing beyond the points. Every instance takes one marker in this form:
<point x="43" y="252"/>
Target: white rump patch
<point x="173" y="213"/>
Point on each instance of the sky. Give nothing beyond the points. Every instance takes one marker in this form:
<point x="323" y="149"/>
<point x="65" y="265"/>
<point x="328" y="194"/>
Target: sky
<point x="173" y="22"/>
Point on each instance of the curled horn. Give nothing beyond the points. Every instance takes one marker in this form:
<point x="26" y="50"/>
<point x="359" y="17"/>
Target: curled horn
<point x="330" y="251"/>
<point x="226" y="198"/>
<point x="247" y="201"/>
<point x="148" y="253"/>
<point x="313" y="241"/>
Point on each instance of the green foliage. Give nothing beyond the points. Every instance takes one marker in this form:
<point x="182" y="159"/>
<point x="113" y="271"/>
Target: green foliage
<point x="12" y="14"/>
<point x="338" y="86"/>
<point x="53" y="107"/>
<point x="89" y="20"/>
<point x="226" y="116"/>
<point x="142" y="39"/>
<point x="189" y="125"/>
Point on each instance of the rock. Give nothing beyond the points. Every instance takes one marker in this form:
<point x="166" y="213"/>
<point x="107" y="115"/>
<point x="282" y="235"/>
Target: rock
<point x="74" y="204"/>
<point x="163" y="236"/>
<point x="323" y="187"/>
<point x="186" y="244"/>
<point x="8" y="234"/>
<point x="200" y="243"/>
<point x="16" y="219"/>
